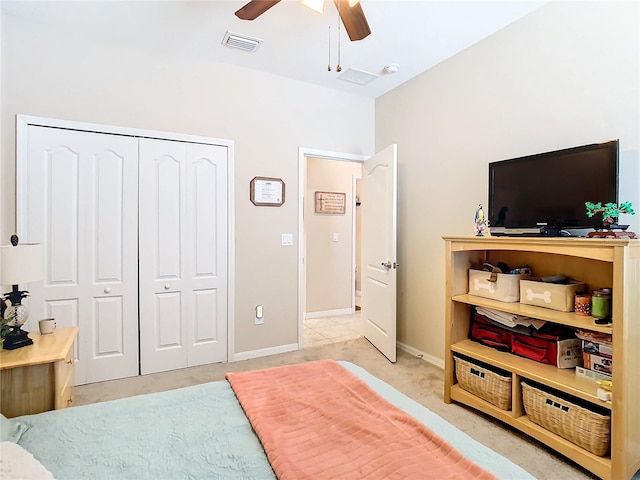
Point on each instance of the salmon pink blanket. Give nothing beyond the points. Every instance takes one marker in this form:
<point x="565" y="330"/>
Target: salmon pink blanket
<point x="317" y="420"/>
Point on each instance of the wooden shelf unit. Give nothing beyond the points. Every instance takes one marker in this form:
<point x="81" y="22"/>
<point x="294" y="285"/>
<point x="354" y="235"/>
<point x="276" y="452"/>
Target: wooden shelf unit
<point x="599" y="263"/>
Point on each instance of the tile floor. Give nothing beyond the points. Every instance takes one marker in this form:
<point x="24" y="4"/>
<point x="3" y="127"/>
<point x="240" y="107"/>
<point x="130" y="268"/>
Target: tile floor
<point x="324" y="330"/>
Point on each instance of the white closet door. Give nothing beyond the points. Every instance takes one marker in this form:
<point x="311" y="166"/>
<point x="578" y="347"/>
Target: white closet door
<point x="183" y="254"/>
<point x="80" y="202"/>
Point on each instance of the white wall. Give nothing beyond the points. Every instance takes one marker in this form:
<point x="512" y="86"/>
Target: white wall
<point x="565" y="75"/>
<point x="329" y="264"/>
<point x="3" y="186"/>
<point x="48" y="73"/>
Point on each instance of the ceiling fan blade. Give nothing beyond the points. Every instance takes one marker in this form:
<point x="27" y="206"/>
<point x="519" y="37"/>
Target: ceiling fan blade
<point x="353" y="19"/>
<point x="255" y="8"/>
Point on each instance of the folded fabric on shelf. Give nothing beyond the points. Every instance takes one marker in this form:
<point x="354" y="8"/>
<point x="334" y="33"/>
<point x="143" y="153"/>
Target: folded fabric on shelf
<point x="510" y="319"/>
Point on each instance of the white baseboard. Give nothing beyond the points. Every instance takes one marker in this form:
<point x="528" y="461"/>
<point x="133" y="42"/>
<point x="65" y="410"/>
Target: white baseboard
<point x="263" y="352"/>
<point x="329" y="313"/>
<point x="427" y="358"/>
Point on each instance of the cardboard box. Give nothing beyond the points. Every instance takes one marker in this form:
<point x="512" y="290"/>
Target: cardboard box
<point x="506" y="288"/>
<point x="601" y="349"/>
<point x="556" y="296"/>
<point x="597" y="363"/>
<point x="591" y="374"/>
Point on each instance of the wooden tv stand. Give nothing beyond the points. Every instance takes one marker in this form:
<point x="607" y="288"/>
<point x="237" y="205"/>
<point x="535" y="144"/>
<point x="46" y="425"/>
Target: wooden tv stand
<point x="597" y="262"/>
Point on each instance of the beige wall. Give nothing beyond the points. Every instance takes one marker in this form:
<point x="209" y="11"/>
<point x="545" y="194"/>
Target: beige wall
<point x="565" y="75"/>
<point x="329" y="264"/>
<point x="47" y="73"/>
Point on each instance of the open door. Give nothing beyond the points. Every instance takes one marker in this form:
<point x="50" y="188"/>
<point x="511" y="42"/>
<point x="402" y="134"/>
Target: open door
<point x="379" y="267"/>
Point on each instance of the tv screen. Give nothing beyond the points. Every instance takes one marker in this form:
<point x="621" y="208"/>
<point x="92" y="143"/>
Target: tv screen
<point x="547" y="191"/>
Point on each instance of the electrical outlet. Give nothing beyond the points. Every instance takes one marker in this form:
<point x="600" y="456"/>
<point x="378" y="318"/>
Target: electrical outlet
<point x="259" y="315"/>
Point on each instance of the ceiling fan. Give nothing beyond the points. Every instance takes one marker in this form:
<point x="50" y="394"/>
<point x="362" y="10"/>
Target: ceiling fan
<point x="351" y="14"/>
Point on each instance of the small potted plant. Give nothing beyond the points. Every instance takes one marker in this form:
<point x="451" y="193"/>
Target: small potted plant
<point x="610" y="213"/>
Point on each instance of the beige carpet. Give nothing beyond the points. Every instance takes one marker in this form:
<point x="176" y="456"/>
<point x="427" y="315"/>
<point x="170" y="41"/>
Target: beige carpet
<point x="414" y="377"/>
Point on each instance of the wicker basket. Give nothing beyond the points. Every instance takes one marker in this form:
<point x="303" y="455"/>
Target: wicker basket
<point x="487" y="384"/>
<point x="586" y="428"/>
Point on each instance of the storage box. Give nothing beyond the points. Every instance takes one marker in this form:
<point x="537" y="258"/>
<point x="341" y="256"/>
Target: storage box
<point x="602" y="349"/>
<point x="597" y="363"/>
<point x="506" y="288"/>
<point x="556" y="346"/>
<point x="488" y="333"/>
<point x="551" y="295"/>
<point x="489" y="383"/>
<point x="586" y="427"/>
<point x="563" y="353"/>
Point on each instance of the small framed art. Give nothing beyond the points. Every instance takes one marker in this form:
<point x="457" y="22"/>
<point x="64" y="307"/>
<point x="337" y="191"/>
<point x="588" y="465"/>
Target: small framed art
<point x="267" y="191"/>
<point x="331" y="202"/>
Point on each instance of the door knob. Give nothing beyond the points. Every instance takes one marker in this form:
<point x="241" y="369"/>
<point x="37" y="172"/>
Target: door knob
<point x="167" y="286"/>
<point x="386" y="264"/>
<point x="107" y="290"/>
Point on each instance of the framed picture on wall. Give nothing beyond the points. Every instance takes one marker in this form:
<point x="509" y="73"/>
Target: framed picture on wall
<point x="267" y="191"/>
<point x="331" y="202"/>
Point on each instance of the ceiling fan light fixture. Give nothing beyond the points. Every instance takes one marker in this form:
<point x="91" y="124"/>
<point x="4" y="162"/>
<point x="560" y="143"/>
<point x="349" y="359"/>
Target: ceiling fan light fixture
<point x="315" y="5"/>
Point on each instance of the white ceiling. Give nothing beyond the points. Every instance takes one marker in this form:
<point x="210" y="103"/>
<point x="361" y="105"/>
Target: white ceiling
<point x="414" y="34"/>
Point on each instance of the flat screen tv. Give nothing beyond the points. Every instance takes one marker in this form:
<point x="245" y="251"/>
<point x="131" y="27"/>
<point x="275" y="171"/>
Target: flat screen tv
<point x="545" y="193"/>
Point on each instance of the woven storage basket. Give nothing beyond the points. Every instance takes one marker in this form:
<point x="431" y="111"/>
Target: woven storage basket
<point x="486" y="384"/>
<point x="586" y="428"/>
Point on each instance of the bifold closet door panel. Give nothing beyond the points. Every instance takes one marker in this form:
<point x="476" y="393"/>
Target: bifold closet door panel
<point x="182" y="255"/>
<point x="207" y="234"/>
<point x="79" y="199"/>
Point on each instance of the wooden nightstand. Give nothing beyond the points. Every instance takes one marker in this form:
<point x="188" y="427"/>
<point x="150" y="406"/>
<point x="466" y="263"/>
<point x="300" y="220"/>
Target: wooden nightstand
<point x="38" y="377"/>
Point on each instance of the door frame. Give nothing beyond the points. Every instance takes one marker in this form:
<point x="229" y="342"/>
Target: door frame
<point x="303" y="153"/>
<point x="22" y="141"/>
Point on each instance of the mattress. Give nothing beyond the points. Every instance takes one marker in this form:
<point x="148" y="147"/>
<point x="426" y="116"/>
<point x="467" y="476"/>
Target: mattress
<point x="192" y="432"/>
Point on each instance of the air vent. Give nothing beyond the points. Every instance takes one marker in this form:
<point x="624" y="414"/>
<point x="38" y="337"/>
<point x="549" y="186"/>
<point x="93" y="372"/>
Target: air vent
<point x="241" y="42"/>
<point x="357" y="76"/>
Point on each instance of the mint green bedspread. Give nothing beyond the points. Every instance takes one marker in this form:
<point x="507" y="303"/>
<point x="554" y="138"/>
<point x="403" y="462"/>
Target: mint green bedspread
<point x="197" y="432"/>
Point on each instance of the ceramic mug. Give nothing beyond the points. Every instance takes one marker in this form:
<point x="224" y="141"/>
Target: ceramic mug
<point x="47" y="325"/>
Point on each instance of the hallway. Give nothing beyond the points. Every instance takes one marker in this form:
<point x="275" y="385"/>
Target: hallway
<point x="324" y="330"/>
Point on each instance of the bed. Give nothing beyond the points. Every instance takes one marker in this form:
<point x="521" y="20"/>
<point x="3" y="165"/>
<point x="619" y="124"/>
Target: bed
<point x="196" y="432"/>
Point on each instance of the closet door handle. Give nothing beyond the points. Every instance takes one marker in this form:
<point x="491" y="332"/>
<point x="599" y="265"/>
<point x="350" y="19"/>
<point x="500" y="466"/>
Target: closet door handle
<point x="107" y="290"/>
<point x="167" y="286"/>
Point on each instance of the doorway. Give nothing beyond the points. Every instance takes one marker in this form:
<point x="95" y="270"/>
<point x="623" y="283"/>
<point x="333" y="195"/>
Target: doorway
<point x="327" y="253"/>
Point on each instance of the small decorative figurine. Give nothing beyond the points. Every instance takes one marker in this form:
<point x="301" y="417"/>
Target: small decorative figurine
<point x="481" y="222"/>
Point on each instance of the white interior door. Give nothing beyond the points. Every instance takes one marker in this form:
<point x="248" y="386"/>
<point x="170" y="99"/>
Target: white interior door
<point x="182" y="254"/>
<point x="379" y="267"/>
<point x="79" y="199"/>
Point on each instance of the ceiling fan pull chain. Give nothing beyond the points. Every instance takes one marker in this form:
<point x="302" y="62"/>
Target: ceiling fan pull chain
<point x="339" y="67"/>
<point x="329" y="65"/>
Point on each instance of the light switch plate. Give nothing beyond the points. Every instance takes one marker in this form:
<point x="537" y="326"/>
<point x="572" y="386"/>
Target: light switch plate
<point x="287" y="239"/>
